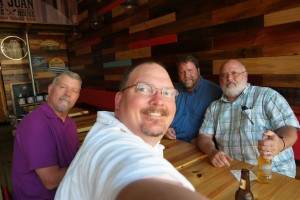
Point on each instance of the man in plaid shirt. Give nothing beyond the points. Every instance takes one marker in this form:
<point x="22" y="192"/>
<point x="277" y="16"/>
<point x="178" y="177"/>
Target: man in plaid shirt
<point x="234" y="125"/>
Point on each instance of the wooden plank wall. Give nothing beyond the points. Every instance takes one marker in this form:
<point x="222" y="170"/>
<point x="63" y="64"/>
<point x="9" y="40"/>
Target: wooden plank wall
<point x="18" y="71"/>
<point x="265" y="35"/>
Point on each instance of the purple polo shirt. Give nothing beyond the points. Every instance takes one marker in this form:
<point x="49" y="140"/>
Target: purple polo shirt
<point x="42" y="140"/>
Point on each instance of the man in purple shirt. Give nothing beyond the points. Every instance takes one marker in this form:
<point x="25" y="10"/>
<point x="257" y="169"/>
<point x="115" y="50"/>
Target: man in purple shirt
<point x="46" y="141"/>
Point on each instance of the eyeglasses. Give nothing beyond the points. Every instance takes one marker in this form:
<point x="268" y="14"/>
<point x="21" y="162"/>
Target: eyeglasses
<point x="149" y="90"/>
<point x="233" y="74"/>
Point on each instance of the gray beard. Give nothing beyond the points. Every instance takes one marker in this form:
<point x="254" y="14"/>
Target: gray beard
<point x="63" y="107"/>
<point x="233" y="92"/>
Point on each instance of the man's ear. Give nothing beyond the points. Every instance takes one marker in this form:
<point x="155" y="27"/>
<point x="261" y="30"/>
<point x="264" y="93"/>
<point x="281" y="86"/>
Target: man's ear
<point x="118" y="98"/>
<point x="50" y="88"/>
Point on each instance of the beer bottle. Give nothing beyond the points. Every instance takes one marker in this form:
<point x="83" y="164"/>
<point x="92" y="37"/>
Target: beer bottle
<point x="264" y="170"/>
<point x="244" y="192"/>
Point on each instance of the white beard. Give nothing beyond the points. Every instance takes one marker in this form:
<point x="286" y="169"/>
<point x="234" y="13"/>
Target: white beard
<point x="233" y="92"/>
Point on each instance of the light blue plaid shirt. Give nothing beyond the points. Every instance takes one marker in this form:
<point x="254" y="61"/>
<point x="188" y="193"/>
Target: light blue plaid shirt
<point x="238" y="130"/>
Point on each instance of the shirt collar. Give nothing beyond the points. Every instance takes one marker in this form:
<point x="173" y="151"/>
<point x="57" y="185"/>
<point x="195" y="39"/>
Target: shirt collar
<point x="198" y="84"/>
<point x="108" y="118"/>
<point x="50" y="113"/>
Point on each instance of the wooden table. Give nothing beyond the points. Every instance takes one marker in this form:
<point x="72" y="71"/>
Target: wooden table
<point x="184" y="154"/>
<point x="85" y="122"/>
<point x="77" y="111"/>
<point x="219" y="183"/>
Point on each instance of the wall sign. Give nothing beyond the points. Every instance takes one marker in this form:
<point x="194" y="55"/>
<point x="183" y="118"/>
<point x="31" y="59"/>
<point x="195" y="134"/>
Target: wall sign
<point x="49" y="45"/>
<point x="39" y="11"/>
<point x="14" y="48"/>
<point x="20" y="93"/>
<point x="56" y="62"/>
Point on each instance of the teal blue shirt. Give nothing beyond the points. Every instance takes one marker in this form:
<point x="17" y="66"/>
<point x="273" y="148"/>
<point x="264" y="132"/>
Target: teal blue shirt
<point x="191" y="107"/>
<point x="238" y="130"/>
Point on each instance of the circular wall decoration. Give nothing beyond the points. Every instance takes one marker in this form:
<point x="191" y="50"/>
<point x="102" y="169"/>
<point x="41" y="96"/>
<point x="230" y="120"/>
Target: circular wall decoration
<point x="14" y="48"/>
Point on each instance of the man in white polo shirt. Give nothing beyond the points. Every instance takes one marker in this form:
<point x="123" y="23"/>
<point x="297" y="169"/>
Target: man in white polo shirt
<point x="121" y="157"/>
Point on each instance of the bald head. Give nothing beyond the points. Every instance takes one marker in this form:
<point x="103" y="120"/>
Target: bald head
<point x="232" y="63"/>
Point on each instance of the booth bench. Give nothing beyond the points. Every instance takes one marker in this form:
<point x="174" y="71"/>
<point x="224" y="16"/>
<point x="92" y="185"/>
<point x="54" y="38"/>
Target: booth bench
<point x="92" y="100"/>
<point x="101" y="99"/>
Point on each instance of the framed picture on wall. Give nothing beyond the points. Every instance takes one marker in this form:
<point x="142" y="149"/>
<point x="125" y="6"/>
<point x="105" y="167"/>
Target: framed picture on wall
<point x="23" y="97"/>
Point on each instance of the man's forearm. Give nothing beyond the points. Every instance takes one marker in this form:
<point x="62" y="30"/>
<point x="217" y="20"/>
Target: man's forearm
<point x="289" y="135"/>
<point x="206" y="144"/>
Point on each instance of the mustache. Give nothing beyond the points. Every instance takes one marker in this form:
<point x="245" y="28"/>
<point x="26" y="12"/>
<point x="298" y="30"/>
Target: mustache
<point x="230" y="82"/>
<point x="152" y="109"/>
<point x="65" y="98"/>
<point x="188" y="79"/>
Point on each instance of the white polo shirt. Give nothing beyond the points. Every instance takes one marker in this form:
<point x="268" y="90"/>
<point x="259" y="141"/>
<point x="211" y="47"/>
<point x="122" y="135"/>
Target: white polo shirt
<point x="110" y="158"/>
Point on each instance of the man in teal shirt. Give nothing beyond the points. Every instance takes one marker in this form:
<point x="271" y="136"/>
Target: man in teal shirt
<point x="195" y="95"/>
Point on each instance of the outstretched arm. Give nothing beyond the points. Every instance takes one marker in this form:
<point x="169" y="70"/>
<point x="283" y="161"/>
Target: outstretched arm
<point x="149" y="189"/>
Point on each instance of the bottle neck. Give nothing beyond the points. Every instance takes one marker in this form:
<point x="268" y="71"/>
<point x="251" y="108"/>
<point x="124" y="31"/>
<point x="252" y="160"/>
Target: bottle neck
<point x="245" y="184"/>
<point x="245" y="181"/>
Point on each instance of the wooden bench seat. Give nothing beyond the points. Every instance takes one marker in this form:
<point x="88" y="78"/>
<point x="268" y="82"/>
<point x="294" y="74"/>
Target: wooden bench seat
<point x="95" y="100"/>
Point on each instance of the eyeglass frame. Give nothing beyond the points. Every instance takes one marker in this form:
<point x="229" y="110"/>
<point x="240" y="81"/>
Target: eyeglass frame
<point x="233" y="74"/>
<point x="152" y="87"/>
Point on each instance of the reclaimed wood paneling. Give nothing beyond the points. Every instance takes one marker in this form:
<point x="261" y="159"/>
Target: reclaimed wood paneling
<point x="91" y="42"/>
<point x="43" y="74"/>
<point x="264" y="34"/>
<point x="282" y="49"/>
<point x="115" y="48"/>
<point x="250" y="52"/>
<point x="132" y="54"/>
<point x="83" y="51"/>
<point x="82" y="60"/>
<point x="282" y="17"/>
<point x="167" y="39"/>
<point x="186" y="24"/>
<point x="120" y="63"/>
<point x="83" y="16"/>
<point x="238" y="11"/>
<point x="14" y="62"/>
<point x="18" y="71"/>
<point x="153" y="23"/>
<point x="113" y="77"/>
<point x="3" y="104"/>
<point x="268" y="35"/>
<point x="119" y="10"/>
<point x="127" y="22"/>
<point x="110" y="6"/>
<point x="267" y="65"/>
<point x="128" y="38"/>
<point x="78" y="68"/>
<point x="281" y="80"/>
<point x="246" y="24"/>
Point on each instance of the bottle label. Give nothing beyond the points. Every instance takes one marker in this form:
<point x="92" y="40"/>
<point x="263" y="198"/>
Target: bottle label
<point x="243" y="184"/>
